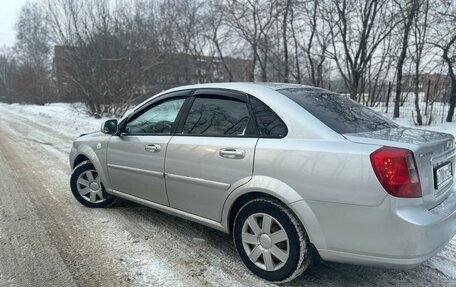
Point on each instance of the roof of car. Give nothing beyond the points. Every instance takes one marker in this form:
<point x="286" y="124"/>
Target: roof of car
<point x="242" y="85"/>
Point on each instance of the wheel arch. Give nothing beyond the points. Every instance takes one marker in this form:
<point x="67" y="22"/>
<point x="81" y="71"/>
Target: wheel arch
<point x="80" y="159"/>
<point x="86" y="153"/>
<point x="257" y="186"/>
<point x="265" y="187"/>
<point x="241" y="201"/>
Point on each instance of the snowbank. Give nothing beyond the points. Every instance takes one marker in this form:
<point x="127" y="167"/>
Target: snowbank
<point x="69" y="119"/>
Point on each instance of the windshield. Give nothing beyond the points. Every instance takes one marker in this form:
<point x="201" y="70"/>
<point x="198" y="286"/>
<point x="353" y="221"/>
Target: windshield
<point x="337" y="111"/>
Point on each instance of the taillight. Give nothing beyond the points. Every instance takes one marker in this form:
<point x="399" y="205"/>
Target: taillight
<point x="397" y="172"/>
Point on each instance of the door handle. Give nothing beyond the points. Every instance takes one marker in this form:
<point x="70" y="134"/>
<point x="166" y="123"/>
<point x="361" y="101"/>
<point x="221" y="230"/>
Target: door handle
<point x="152" y="147"/>
<point x="232" y="153"/>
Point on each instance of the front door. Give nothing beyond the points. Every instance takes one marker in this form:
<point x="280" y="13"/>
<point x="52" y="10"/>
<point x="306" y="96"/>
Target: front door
<point x="136" y="158"/>
<point x="212" y="153"/>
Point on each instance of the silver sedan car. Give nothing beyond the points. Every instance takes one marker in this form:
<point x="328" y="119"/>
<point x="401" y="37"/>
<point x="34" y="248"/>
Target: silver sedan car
<point x="295" y="173"/>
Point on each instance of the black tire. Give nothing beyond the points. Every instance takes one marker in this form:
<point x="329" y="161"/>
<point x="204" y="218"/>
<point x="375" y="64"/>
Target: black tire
<point x="80" y="169"/>
<point x="298" y="255"/>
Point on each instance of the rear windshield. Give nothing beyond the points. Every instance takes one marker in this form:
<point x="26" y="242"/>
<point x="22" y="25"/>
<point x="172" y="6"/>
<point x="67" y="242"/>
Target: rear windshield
<point x="337" y="111"/>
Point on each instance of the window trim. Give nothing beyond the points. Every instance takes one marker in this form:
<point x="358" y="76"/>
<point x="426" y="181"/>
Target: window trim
<point x="190" y="95"/>
<point x="256" y="120"/>
<point x="220" y="94"/>
<point x="183" y="94"/>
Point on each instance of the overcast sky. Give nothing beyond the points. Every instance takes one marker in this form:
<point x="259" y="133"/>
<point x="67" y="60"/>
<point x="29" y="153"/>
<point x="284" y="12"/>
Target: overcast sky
<point x="9" y="12"/>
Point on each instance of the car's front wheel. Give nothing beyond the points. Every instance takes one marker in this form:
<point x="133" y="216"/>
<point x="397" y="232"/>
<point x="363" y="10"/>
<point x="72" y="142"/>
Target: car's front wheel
<point x="87" y="187"/>
<point x="271" y="241"/>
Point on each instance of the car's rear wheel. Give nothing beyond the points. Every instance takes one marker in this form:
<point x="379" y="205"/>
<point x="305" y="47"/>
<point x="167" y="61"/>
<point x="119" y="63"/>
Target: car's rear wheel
<point x="271" y="241"/>
<point x="87" y="187"/>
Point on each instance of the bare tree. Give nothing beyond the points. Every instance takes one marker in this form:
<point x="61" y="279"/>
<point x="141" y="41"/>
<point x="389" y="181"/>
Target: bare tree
<point x="33" y="52"/>
<point x="357" y="29"/>
<point x="444" y="38"/>
<point x="275" y="46"/>
<point x="187" y="18"/>
<point x="408" y="12"/>
<point x="379" y="71"/>
<point x="218" y="33"/>
<point x="253" y="19"/>
<point x="107" y="51"/>
<point x="285" y="9"/>
<point x="8" y="72"/>
<point x="419" y="34"/>
<point x="297" y="74"/>
<point x="318" y="41"/>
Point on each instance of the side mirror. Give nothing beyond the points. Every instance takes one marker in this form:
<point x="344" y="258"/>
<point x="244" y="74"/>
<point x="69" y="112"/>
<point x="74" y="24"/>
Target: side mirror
<point x="109" y="127"/>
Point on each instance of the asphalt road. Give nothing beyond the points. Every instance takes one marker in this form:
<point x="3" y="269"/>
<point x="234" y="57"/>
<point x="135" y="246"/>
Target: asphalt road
<point x="48" y="239"/>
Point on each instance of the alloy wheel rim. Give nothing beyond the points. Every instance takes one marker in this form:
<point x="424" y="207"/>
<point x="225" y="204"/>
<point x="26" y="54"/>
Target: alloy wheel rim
<point x="265" y="241"/>
<point x="89" y="186"/>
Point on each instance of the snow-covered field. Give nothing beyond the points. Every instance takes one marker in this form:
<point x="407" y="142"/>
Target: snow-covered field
<point x="69" y="119"/>
<point x="57" y="124"/>
<point x="407" y="119"/>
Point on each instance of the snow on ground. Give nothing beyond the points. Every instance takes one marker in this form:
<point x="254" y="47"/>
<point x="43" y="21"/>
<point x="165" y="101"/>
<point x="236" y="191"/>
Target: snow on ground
<point x="406" y="118"/>
<point x="69" y="119"/>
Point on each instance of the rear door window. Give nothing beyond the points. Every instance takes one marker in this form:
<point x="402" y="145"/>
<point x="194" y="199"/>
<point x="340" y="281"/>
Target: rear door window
<point x="217" y="116"/>
<point x="337" y="111"/>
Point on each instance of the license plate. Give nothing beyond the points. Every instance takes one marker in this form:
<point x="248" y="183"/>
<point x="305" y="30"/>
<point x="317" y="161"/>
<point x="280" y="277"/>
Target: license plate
<point x="442" y="174"/>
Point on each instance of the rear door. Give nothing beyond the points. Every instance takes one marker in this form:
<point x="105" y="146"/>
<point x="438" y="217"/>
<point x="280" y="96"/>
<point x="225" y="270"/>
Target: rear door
<point x="212" y="153"/>
<point x="136" y="158"/>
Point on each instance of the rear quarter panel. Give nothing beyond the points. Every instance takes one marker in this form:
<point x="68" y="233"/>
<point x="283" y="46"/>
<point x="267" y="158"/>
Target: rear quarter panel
<point x="336" y="171"/>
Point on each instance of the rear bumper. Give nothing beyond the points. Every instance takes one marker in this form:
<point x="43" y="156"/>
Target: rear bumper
<point x="397" y="233"/>
<point x="378" y="261"/>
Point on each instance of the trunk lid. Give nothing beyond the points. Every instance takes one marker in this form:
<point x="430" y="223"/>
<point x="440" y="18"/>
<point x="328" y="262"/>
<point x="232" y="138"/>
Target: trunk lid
<point x="432" y="150"/>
